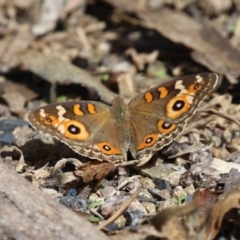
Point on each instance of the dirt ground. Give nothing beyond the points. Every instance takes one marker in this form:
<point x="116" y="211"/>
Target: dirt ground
<point x="119" y="119"/>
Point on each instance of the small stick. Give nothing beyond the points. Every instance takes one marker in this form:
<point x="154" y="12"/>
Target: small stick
<point x="120" y="210"/>
<point x="223" y="115"/>
<point x="124" y="164"/>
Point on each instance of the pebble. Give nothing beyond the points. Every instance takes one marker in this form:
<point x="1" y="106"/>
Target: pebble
<point x="234" y="145"/>
<point x="165" y="204"/>
<point x="160" y="171"/>
<point x="136" y="205"/>
<point x="146" y="182"/>
<point x="120" y="221"/>
<point x="179" y="192"/>
<point x="150" y="207"/>
<point x="111" y="204"/>
<point x="75" y="203"/>
<point x="123" y="171"/>
<point x="112" y="227"/>
<point x="108" y="191"/>
<point x="162" y="184"/>
<point x="160" y="194"/>
<point x="205" y="177"/>
<point x="223" y="166"/>
<point x="144" y="193"/>
<point x="7" y="138"/>
<point x="233" y="157"/>
<point x="173" y="178"/>
<point x="72" y="192"/>
<point x="134" y="217"/>
<point x="190" y="190"/>
<point x="221" y="153"/>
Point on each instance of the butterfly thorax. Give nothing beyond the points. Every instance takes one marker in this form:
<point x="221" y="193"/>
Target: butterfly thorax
<point x="120" y="110"/>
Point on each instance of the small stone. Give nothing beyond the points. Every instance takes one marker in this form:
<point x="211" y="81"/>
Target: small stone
<point x="217" y="141"/>
<point x="108" y="191"/>
<point x="111" y="204"/>
<point x="221" y="153"/>
<point x="186" y="179"/>
<point x="162" y="184"/>
<point x="189" y="190"/>
<point x="93" y="197"/>
<point x="179" y="192"/>
<point x="160" y="171"/>
<point x="205" y="177"/>
<point x="9" y="125"/>
<point x="160" y="194"/>
<point x="134" y="217"/>
<point x="165" y="204"/>
<point x="75" y="203"/>
<point x="223" y="166"/>
<point x="173" y="178"/>
<point x="146" y="182"/>
<point x="180" y="161"/>
<point x="231" y="180"/>
<point x="120" y="221"/>
<point x="150" y="207"/>
<point x="202" y="156"/>
<point x="122" y="171"/>
<point x="144" y="193"/>
<point x="72" y="192"/>
<point x="136" y="205"/>
<point x="234" y="145"/>
<point x="112" y="227"/>
<point x="7" y="138"/>
<point x="233" y="157"/>
<point x="52" y="192"/>
<point x="133" y="184"/>
<point x="227" y="136"/>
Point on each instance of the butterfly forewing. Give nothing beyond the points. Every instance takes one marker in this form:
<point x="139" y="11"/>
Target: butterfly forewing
<point x="160" y="114"/>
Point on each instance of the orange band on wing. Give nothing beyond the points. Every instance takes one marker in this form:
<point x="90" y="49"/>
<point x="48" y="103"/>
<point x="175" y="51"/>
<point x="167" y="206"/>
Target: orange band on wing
<point x="148" y="97"/>
<point x="148" y="141"/>
<point x="91" y="108"/>
<point x="108" y="149"/>
<point x="77" y="110"/>
<point x="163" y="92"/>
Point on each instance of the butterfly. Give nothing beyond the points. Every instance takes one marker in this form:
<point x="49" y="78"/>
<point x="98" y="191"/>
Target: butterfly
<point x="150" y="121"/>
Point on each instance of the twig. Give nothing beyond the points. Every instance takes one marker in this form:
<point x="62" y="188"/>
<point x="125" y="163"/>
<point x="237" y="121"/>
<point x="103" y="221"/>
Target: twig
<point x="124" y="183"/>
<point x="94" y="211"/>
<point x="223" y="115"/>
<point x="120" y="210"/>
<point x="124" y="164"/>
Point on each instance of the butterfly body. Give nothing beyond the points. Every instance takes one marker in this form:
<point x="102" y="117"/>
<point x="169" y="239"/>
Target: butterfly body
<point x="152" y="120"/>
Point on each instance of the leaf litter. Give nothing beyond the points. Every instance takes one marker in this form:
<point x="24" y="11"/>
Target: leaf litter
<point x="190" y="189"/>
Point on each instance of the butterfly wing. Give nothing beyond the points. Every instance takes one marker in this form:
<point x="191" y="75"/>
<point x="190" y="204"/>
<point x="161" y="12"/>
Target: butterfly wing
<point x="87" y="127"/>
<point x="159" y="115"/>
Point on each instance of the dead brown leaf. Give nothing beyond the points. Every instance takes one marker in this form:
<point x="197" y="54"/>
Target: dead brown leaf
<point x="208" y="45"/>
<point x="16" y="95"/>
<point x="55" y="71"/>
<point x="94" y="170"/>
<point x="193" y="223"/>
<point x="12" y="44"/>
